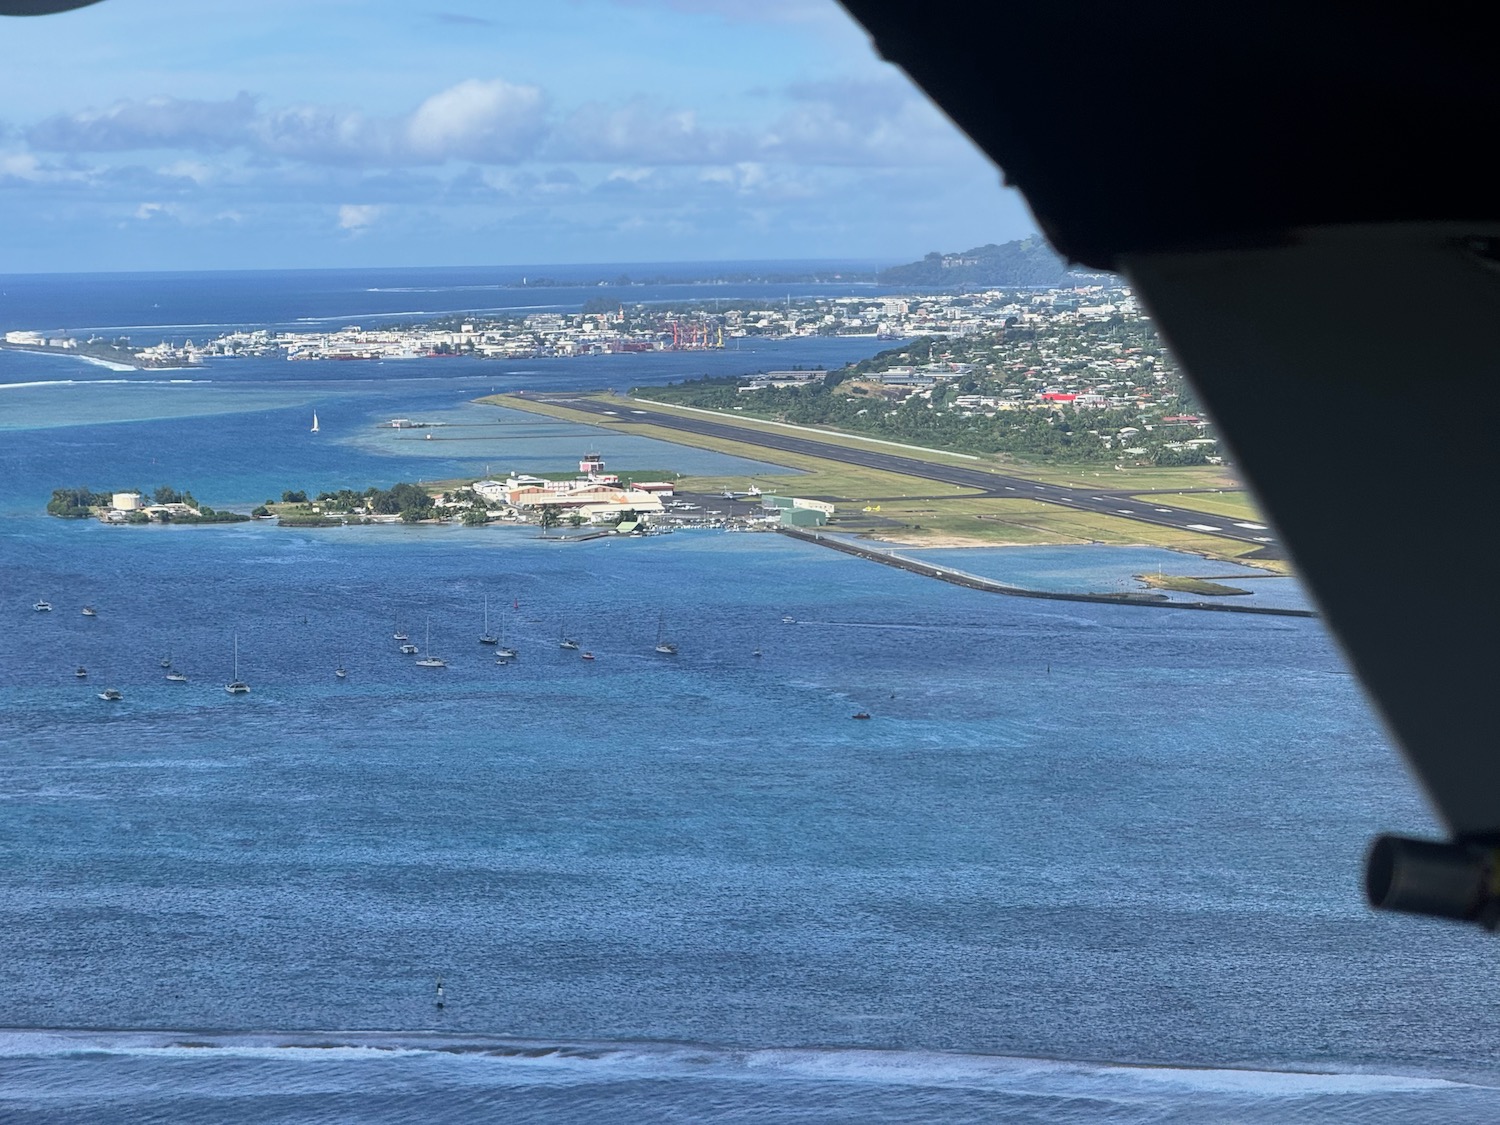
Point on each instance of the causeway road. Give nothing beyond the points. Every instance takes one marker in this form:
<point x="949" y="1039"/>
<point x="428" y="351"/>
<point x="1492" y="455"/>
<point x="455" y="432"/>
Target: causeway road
<point x="1102" y="501"/>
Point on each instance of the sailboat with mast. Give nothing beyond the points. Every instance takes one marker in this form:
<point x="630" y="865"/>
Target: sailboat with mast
<point x="315" y="422"/>
<point x="663" y="646"/>
<point x="487" y="638"/>
<point x="504" y="651"/>
<point x="237" y="686"/>
<point x="427" y="660"/>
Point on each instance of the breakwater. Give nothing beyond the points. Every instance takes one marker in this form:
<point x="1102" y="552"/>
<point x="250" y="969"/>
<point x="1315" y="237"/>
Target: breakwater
<point x="990" y="586"/>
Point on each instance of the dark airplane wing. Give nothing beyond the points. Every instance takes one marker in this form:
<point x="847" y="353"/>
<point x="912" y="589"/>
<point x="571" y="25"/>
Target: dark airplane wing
<point x="1300" y="194"/>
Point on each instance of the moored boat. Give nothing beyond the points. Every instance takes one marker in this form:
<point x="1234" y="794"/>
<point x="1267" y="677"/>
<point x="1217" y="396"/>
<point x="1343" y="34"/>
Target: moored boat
<point x="427" y="660"/>
<point x="485" y="638"/>
<point x="663" y="646"/>
<point x="236" y="686"/>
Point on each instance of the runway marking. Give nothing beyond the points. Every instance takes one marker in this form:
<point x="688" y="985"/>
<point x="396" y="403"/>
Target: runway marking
<point x="1204" y="527"/>
<point x="1252" y="526"/>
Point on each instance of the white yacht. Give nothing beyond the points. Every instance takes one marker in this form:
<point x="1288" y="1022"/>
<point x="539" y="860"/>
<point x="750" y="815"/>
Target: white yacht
<point x="237" y="686"/>
<point x="427" y="660"/>
<point x="487" y="638"/>
<point x="663" y="646"/>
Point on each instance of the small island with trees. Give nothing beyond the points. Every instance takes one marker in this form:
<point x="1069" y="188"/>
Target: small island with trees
<point x="164" y="504"/>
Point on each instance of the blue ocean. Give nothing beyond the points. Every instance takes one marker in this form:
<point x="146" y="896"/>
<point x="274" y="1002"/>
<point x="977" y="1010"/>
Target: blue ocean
<point x="1084" y="863"/>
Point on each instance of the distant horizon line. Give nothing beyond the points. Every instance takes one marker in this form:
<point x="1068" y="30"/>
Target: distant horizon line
<point x="679" y="263"/>
<point x="870" y="262"/>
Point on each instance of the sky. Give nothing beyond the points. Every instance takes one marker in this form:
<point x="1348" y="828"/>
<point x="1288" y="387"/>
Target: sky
<point x="184" y="135"/>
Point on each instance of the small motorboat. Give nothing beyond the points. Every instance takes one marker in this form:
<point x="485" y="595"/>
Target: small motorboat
<point x="165" y="662"/>
<point x="860" y="715"/>
<point x="410" y="649"/>
<point x="176" y="677"/>
<point x="339" y="673"/>
<point x="90" y="611"/>
<point x="81" y="672"/>
<point x="588" y="656"/>
<point x="43" y="607"/>
<point x="111" y="694"/>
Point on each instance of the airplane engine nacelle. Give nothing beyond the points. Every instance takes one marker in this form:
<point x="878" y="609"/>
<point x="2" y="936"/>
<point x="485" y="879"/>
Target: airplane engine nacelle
<point x="1441" y="880"/>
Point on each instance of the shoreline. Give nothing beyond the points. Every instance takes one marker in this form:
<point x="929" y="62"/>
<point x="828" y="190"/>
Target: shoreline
<point x="1144" y="599"/>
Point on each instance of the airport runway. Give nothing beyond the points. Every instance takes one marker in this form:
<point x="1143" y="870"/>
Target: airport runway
<point x="1120" y="505"/>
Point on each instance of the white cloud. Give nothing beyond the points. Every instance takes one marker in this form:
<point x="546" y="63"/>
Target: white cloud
<point x="194" y="170"/>
<point x="356" y="217"/>
<point x="147" y="211"/>
<point x="486" y="122"/>
<point x="495" y="123"/>
<point x="20" y="166"/>
<point x="148" y="123"/>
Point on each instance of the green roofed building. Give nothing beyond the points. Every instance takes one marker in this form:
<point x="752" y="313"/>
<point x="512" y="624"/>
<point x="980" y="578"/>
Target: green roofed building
<point x="803" y="517"/>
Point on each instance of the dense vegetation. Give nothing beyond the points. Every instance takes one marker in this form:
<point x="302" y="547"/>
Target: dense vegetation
<point x="1023" y="263"/>
<point x="81" y="503"/>
<point x="409" y="501"/>
<point x="76" y="503"/>
<point x="1138" y="395"/>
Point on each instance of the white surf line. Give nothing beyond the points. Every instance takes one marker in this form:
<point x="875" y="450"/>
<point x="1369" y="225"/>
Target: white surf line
<point x="730" y="418"/>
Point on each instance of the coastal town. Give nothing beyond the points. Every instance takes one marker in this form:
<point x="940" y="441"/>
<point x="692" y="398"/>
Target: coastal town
<point x="1072" y="373"/>
<point x="604" y="327"/>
